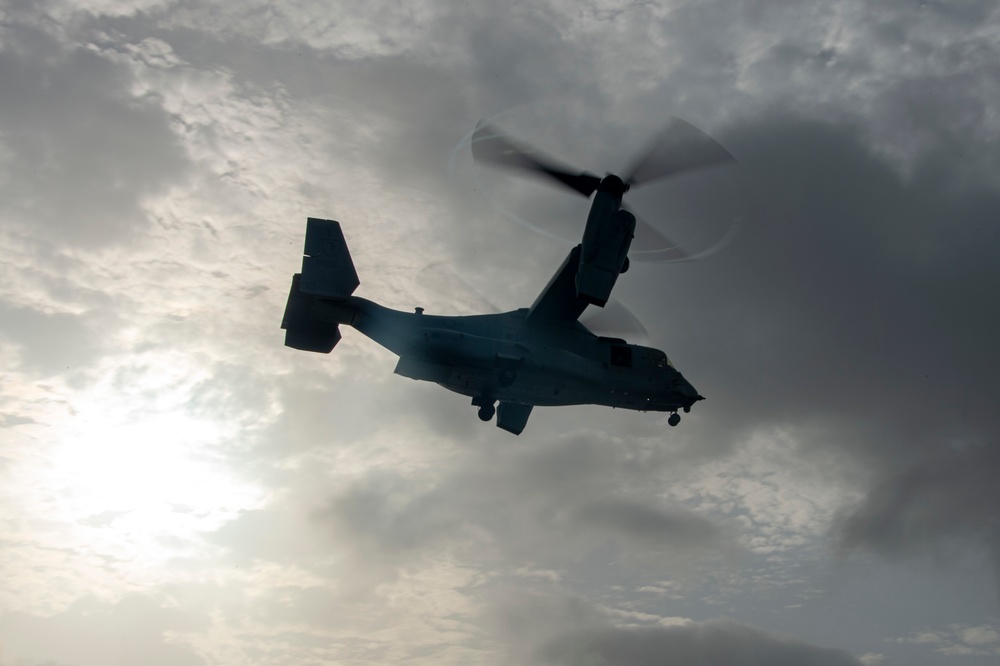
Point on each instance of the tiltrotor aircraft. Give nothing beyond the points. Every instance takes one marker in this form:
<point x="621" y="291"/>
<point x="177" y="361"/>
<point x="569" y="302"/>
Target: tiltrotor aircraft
<point x="539" y="355"/>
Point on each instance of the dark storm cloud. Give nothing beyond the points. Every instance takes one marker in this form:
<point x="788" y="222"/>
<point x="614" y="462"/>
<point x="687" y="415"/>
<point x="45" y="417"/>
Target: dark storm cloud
<point x="85" y="150"/>
<point x="950" y="493"/>
<point x="856" y="302"/>
<point x="712" y="643"/>
<point x="841" y="291"/>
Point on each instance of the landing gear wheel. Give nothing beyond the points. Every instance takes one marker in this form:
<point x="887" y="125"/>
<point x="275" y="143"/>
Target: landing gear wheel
<point x="687" y="409"/>
<point x="486" y="412"/>
<point x="507" y="377"/>
<point x="674" y="419"/>
<point x="625" y="265"/>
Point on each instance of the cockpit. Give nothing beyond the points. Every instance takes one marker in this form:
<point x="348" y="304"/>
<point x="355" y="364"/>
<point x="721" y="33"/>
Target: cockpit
<point x="633" y="356"/>
<point x="657" y="358"/>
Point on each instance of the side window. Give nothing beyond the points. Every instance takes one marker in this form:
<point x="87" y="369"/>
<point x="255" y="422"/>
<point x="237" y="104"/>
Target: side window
<point x="621" y="356"/>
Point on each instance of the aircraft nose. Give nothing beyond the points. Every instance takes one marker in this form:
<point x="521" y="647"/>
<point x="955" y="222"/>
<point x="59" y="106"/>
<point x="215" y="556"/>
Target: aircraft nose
<point x="688" y="391"/>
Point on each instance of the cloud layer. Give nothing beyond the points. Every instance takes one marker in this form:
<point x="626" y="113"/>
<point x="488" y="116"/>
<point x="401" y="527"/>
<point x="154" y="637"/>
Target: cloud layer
<point x="176" y="484"/>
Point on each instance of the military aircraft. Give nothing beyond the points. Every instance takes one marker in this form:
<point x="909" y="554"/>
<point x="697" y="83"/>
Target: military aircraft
<point x="508" y="363"/>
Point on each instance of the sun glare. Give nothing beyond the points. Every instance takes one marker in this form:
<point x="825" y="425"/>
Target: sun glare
<point x="144" y="481"/>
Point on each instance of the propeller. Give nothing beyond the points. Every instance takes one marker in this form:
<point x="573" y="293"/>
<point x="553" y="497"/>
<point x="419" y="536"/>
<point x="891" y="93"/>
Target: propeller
<point x="440" y="278"/>
<point x="661" y="249"/>
<point x="615" y="320"/>
<point x="492" y="146"/>
<point x="679" y="148"/>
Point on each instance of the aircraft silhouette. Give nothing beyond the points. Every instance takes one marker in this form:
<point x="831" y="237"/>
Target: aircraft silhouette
<point x="540" y="355"/>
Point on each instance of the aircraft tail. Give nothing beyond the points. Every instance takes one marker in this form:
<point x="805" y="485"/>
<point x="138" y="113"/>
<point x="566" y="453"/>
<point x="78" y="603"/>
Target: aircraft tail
<point x="328" y="274"/>
<point x="327" y="268"/>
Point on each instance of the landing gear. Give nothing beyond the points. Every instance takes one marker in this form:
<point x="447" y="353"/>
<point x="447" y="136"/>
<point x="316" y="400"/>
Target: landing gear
<point x="674" y="419"/>
<point x="625" y="266"/>
<point x="687" y="409"/>
<point x="486" y="412"/>
<point x="486" y="407"/>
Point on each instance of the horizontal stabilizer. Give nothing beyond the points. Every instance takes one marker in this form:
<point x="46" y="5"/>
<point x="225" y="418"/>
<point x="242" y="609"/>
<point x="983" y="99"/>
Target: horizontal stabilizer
<point x="303" y="330"/>
<point x="512" y="416"/>
<point x="327" y="268"/>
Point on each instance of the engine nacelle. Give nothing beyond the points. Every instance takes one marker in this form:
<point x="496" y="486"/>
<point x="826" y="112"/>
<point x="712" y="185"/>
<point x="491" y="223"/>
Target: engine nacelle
<point x="604" y="254"/>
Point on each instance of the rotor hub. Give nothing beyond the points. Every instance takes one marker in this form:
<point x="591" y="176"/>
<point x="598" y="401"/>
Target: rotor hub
<point x="612" y="184"/>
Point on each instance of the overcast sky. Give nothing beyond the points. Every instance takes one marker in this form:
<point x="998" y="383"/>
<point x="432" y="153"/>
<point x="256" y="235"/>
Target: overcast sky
<point x="177" y="488"/>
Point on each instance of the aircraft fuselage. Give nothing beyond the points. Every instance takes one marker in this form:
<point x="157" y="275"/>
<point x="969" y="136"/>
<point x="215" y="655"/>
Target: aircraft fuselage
<point x="506" y="357"/>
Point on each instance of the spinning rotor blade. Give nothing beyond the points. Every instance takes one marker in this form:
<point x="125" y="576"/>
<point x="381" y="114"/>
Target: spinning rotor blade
<point x="490" y="145"/>
<point x="652" y="245"/>
<point x="678" y="148"/>
<point x="442" y="279"/>
<point x="615" y="320"/>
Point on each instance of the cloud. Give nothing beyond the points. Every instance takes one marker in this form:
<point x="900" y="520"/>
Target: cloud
<point x="639" y="521"/>
<point x="133" y="630"/>
<point x="711" y="642"/>
<point x="852" y="305"/>
<point x="567" y="630"/>
<point x="844" y="339"/>
<point x="515" y="501"/>
<point x="980" y="635"/>
<point x="949" y="494"/>
<point x="362" y="513"/>
<point x="84" y="151"/>
<point x="943" y="504"/>
<point x="959" y="640"/>
<point x="49" y="343"/>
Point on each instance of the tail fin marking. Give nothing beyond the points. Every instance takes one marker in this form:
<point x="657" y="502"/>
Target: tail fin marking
<point x="327" y="268"/>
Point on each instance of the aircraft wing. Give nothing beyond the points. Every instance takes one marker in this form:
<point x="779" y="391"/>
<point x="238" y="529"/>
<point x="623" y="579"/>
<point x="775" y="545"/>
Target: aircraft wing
<point x="558" y="303"/>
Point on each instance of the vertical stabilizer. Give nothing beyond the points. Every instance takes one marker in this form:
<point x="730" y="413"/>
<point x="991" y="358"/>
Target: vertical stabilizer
<point x="327" y="268"/>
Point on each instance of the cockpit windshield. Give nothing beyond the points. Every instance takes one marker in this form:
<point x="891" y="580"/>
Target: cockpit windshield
<point x="660" y="359"/>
